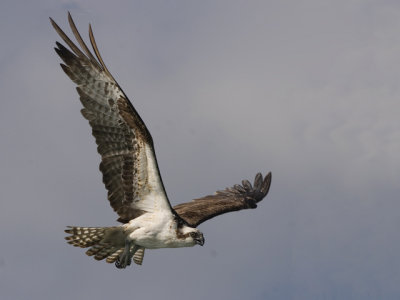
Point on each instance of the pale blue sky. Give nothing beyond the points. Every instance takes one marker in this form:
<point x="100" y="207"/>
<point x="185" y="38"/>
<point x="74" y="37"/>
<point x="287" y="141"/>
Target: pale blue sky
<point x="306" y="89"/>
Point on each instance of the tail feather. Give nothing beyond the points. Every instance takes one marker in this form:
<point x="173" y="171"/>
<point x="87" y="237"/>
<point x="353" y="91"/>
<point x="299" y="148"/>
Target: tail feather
<point x="94" y="250"/>
<point x="114" y="256"/>
<point x="84" y="236"/>
<point x="138" y="256"/>
<point x="106" y="251"/>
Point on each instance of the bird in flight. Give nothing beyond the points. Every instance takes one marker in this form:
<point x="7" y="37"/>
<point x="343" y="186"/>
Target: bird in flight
<point x="130" y="171"/>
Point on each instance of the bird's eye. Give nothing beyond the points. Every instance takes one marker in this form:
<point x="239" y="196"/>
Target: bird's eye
<point x="192" y="234"/>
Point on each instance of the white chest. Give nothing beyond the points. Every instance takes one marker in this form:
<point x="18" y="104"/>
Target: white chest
<point x="155" y="231"/>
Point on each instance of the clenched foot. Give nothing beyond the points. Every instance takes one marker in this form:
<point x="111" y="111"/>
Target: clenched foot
<point x="123" y="261"/>
<point x="125" y="257"/>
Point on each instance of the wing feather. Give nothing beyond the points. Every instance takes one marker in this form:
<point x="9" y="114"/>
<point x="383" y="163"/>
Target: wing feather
<point x="80" y="40"/>
<point x="235" y="198"/>
<point x="97" y="52"/>
<point x="128" y="162"/>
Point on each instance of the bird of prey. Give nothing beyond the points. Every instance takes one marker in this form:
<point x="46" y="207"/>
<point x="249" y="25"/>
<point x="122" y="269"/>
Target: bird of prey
<point x="130" y="171"/>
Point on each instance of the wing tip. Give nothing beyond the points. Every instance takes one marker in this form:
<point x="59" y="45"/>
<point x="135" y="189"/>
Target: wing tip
<point x="266" y="183"/>
<point x="53" y="23"/>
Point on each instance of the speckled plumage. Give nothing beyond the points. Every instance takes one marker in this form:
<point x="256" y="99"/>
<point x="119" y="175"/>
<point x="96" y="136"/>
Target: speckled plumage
<point x="130" y="171"/>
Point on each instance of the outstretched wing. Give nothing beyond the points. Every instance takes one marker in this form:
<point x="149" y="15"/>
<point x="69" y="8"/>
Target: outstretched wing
<point x="128" y="161"/>
<point x="235" y="198"/>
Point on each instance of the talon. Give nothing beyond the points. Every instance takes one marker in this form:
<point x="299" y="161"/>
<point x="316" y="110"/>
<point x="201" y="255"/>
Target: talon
<point x="125" y="258"/>
<point x="118" y="264"/>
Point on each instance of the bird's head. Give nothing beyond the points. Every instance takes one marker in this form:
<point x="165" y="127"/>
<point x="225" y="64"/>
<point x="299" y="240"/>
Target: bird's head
<point x="197" y="237"/>
<point x="192" y="235"/>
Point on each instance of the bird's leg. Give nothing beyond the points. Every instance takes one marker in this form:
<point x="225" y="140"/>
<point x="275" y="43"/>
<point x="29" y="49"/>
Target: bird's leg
<point x="125" y="257"/>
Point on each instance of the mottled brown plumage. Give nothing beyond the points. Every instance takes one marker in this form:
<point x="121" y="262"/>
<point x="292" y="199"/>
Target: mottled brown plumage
<point x="120" y="133"/>
<point x="235" y="198"/>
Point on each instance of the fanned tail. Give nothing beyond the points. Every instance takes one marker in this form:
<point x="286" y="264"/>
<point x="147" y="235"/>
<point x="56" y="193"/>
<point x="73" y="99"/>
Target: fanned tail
<point x="104" y="242"/>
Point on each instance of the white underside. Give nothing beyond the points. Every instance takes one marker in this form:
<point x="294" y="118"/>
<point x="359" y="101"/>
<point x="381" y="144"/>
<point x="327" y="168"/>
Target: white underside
<point x="156" y="230"/>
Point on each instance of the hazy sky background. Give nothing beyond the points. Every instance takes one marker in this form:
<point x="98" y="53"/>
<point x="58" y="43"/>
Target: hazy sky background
<point x="306" y="89"/>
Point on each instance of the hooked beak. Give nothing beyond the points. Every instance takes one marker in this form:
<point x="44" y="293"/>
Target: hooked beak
<point x="199" y="240"/>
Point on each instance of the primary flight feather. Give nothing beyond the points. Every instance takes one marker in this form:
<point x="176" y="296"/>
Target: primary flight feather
<point x="130" y="171"/>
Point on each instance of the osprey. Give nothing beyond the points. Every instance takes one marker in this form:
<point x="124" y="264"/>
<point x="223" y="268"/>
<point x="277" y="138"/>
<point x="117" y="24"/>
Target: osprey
<point x="130" y="171"/>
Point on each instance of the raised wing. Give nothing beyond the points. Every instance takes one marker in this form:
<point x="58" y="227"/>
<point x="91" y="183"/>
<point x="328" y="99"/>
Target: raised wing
<point x="128" y="161"/>
<point x="235" y="198"/>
